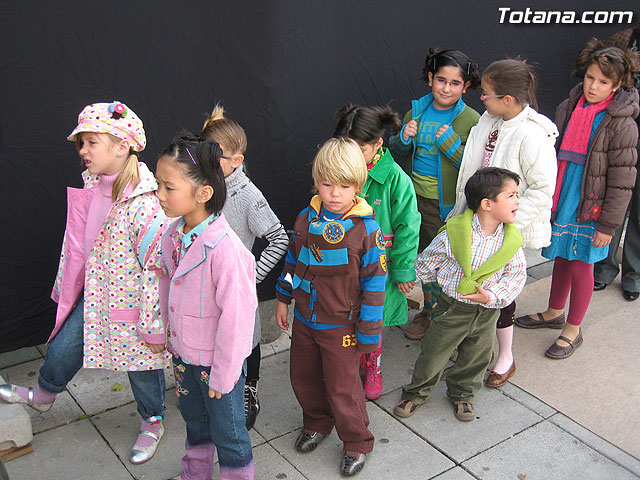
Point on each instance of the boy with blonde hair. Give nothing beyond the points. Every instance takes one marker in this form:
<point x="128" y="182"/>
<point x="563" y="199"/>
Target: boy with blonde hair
<point x="335" y="270"/>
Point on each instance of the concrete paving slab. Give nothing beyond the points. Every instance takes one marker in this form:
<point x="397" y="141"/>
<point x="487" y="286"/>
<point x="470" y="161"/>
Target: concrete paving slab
<point x="270" y="464"/>
<point x="398" y="357"/>
<point x="75" y="451"/>
<point x="498" y="418"/>
<point x="281" y="344"/>
<point x="528" y="400"/>
<point x="65" y="410"/>
<point x="9" y="359"/>
<point x="602" y="365"/>
<point x="388" y="460"/>
<point x="533" y="257"/>
<point x="545" y="451"/>
<point x="279" y="409"/>
<point x="600" y="445"/>
<point x="540" y="271"/>
<point x="93" y="389"/>
<point x="457" y="473"/>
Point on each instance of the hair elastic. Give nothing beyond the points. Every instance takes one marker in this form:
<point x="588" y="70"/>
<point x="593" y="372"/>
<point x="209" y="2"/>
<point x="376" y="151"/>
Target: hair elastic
<point x="192" y="159"/>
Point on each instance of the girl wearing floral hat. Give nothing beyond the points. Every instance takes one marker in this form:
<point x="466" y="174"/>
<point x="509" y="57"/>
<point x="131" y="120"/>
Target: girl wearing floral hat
<point x="107" y="294"/>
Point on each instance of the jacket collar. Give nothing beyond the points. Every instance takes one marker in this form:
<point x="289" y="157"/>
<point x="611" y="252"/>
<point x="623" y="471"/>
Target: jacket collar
<point x="624" y="104"/>
<point x="236" y="180"/>
<point x="361" y="208"/>
<point x="381" y="170"/>
<point x="147" y="183"/>
<point x="528" y="114"/>
<point x="419" y="106"/>
<point x="197" y="253"/>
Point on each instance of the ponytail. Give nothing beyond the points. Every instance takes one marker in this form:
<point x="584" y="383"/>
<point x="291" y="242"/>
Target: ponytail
<point x="366" y="124"/>
<point x="225" y="131"/>
<point x="130" y="174"/>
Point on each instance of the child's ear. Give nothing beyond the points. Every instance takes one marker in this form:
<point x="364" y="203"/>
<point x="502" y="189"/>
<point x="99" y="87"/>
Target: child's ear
<point x="237" y="160"/>
<point x="122" y="148"/>
<point x="485" y="204"/>
<point x="430" y="78"/>
<point x="380" y="141"/>
<point x="466" y="86"/>
<point x="204" y="193"/>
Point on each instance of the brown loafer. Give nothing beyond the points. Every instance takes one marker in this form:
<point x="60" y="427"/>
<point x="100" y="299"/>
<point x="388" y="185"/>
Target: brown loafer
<point x="528" y="321"/>
<point x="557" y="352"/>
<point x="406" y="408"/>
<point x="464" y="411"/>
<point x="498" y="379"/>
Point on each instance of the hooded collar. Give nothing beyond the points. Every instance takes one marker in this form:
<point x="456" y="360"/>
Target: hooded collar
<point x="147" y="183"/>
<point x="360" y="209"/>
<point x="624" y="104"/>
<point x="419" y="106"/>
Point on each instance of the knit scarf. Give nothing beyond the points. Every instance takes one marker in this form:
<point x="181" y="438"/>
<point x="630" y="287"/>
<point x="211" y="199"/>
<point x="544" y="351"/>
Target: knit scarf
<point x="459" y="231"/>
<point x="575" y="141"/>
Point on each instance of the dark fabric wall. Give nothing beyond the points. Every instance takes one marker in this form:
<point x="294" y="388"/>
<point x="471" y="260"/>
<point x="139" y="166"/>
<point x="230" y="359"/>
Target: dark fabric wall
<point x="281" y="68"/>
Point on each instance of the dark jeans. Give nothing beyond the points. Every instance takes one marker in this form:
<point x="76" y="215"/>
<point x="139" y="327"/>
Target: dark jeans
<point x="212" y="422"/>
<point x="64" y="359"/>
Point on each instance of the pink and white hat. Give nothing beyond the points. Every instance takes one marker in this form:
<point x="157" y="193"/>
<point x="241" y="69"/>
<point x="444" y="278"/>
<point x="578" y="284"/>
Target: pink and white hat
<point x="114" y="118"/>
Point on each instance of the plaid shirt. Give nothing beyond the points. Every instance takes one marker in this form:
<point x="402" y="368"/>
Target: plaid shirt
<point x="437" y="263"/>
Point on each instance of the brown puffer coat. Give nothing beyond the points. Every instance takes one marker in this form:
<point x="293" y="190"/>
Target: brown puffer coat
<point x="610" y="172"/>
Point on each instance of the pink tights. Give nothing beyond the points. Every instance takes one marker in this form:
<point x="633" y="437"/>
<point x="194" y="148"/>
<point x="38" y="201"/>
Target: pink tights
<point x="575" y="276"/>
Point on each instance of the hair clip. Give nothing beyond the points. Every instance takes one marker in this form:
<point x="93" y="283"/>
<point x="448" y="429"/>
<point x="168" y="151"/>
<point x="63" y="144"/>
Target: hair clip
<point x="117" y="110"/>
<point x="434" y="64"/>
<point x="468" y="67"/>
<point x="192" y="159"/>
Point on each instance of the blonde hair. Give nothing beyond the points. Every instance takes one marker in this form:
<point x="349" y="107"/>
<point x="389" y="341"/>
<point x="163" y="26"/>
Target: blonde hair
<point x="225" y="131"/>
<point x="340" y="161"/>
<point x="130" y="174"/>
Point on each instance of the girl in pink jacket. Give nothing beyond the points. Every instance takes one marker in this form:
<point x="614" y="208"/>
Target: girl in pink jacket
<point x="108" y="314"/>
<point x="209" y="298"/>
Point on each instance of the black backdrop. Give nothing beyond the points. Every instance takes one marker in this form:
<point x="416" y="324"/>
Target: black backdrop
<point x="281" y="68"/>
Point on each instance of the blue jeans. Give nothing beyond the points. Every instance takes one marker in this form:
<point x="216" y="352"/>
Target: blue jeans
<point x="64" y="359"/>
<point x="220" y="422"/>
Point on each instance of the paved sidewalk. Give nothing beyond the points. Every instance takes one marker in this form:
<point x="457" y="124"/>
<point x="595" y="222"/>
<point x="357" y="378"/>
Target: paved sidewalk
<point x="90" y="429"/>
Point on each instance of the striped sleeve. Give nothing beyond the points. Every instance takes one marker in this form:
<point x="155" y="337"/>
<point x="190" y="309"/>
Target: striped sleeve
<point x="373" y="277"/>
<point x="451" y="146"/>
<point x="284" y="287"/>
<point x="273" y="252"/>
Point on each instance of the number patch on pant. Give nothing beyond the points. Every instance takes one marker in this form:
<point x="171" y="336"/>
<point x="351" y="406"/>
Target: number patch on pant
<point x="349" y="340"/>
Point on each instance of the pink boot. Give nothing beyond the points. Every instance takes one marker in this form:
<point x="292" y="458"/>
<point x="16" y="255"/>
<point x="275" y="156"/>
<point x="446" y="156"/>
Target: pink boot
<point x="373" y="375"/>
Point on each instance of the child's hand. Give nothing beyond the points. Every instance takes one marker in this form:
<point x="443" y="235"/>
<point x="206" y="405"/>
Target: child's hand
<point x="601" y="239"/>
<point x="410" y="130"/>
<point x="481" y="296"/>
<point x="442" y="129"/>
<point x="282" y="312"/>
<point x="214" y="394"/>
<point x="406" y="287"/>
<point x="155" y="347"/>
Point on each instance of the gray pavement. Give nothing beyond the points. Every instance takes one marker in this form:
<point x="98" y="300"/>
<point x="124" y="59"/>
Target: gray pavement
<point x="89" y="431"/>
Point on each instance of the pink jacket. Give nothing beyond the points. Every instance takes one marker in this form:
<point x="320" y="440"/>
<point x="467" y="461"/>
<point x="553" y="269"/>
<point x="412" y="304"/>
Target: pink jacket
<point x="121" y="308"/>
<point x="210" y="301"/>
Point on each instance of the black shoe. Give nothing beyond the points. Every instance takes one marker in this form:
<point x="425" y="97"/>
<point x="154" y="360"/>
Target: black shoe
<point x="352" y="463"/>
<point x="251" y="403"/>
<point x="629" y="295"/>
<point x="308" y="440"/>
<point x="597" y="286"/>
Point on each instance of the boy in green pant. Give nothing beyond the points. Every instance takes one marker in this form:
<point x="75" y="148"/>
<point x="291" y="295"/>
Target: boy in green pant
<point x="478" y="261"/>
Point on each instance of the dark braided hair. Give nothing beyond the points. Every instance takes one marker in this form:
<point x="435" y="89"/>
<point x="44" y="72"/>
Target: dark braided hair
<point x="200" y="160"/>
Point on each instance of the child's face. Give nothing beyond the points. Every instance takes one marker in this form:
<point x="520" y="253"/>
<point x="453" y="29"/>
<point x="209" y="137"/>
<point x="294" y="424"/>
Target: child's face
<point x="505" y="206"/>
<point x="176" y="192"/>
<point x="336" y="198"/>
<point x="369" y="150"/>
<point x="100" y="155"/>
<point x="494" y="104"/>
<point x="447" y="86"/>
<point x="229" y="161"/>
<point x="597" y="86"/>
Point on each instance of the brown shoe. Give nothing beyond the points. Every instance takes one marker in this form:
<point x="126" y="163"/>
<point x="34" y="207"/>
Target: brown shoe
<point x="417" y="329"/>
<point x="529" y="321"/>
<point x="498" y="379"/>
<point x="464" y="411"/>
<point x="557" y="352"/>
<point x="406" y="408"/>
